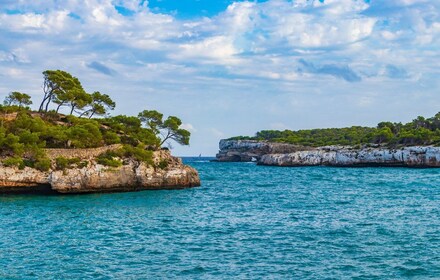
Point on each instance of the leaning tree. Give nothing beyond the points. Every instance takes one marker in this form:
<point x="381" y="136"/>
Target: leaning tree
<point x="170" y="129"/>
<point x="63" y="89"/>
<point x="100" y="105"/>
<point x="17" y="98"/>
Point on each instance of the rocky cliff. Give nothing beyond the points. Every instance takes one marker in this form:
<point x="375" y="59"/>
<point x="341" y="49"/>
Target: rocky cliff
<point x="417" y="156"/>
<point x="250" y="150"/>
<point x="277" y="154"/>
<point x="132" y="176"/>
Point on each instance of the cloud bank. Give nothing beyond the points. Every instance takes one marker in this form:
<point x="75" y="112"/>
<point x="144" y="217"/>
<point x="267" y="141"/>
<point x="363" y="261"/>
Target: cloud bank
<point x="279" y="56"/>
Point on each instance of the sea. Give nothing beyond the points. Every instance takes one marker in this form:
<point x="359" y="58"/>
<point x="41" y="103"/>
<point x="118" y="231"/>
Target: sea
<point x="245" y="222"/>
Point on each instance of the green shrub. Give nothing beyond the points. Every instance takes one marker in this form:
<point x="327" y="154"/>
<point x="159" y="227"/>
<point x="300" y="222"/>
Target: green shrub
<point x="163" y="164"/>
<point x="14" y="161"/>
<point x="138" y="153"/>
<point x="63" y="163"/>
<point x="109" y="158"/>
<point x="12" y="143"/>
<point x="109" y="162"/>
<point x="111" y="137"/>
<point x="7" y="109"/>
<point x="55" y="136"/>
<point x="29" y="163"/>
<point x="51" y="116"/>
<point x="128" y="140"/>
<point x="42" y="164"/>
<point x="33" y="153"/>
<point x="85" y="135"/>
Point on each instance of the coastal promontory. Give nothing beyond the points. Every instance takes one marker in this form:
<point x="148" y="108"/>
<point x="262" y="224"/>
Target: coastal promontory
<point x="72" y="144"/>
<point x="414" y="144"/>
<point x="89" y="176"/>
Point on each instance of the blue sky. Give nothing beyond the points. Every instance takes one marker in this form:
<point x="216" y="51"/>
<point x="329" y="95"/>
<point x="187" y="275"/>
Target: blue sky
<point x="233" y="67"/>
<point x="187" y="9"/>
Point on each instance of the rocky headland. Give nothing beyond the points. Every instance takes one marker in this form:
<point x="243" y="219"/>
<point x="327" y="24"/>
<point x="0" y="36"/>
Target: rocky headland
<point x="92" y="177"/>
<point x="250" y="150"/>
<point x="281" y="154"/>
<point x="73" y="144"/>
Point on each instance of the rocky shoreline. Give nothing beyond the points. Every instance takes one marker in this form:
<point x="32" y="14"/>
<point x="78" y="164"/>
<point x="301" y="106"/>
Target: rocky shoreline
<point x="277" y="154"/>
<point x="250" y="150"/>
<point x="132" y="176"/>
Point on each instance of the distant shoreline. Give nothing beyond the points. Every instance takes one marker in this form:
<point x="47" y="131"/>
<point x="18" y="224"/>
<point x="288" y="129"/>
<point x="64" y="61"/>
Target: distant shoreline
<point x="280" y="154"/>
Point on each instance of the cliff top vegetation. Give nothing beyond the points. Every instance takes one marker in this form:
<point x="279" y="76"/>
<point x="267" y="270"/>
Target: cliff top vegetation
<point x="420" y="131"/>
<point x="26" y="133"/>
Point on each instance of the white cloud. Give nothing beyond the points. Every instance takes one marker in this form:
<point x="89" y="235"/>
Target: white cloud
<point x="52" y="22"/>
<point x="218" y="48"/>
<point x="188" y="127"/>
<point x="254" y="59"/>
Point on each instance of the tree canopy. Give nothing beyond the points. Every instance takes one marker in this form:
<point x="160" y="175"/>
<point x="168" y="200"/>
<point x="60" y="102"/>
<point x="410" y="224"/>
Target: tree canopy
<point x="59" y="87"/>
<point x="170" y="129"/>
<point x="420" y="131"/>
<point x="18" y="98"/>
<point x="25" y="134"/>
<point x="64" y="90"/>
<point x="100" y="105"/>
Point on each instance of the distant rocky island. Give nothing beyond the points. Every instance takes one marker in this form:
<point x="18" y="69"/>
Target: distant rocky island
<point x="413" y="144"/>
<point x="86" y="150"/>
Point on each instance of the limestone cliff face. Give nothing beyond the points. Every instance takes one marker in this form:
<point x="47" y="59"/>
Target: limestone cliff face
<point x="132" y="176"/>
<point x="278" y="154"/>
<point x="248" y="150"/>
<point x="339" y="156"/>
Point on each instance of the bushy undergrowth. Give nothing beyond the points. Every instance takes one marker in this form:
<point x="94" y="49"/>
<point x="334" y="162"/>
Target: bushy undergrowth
<point x="420" y="131"/>
<point x="25" y="134"/>
<point x="110" y="158"/>
<point x="163" y="164"/>
<point x="14" y="161"/>
<point x="114" y="158"/>
<point x="62" y="163"/>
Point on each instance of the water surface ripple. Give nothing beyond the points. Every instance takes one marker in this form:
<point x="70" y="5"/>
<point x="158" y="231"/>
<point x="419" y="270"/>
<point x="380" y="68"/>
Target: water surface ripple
<point x="246" y="221"/>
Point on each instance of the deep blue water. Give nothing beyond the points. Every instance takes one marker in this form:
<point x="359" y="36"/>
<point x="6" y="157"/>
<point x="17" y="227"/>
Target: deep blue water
<point x="246" y="221"/>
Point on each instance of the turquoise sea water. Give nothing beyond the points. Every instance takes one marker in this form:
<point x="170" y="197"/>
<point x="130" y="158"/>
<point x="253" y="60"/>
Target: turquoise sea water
<point x="245" y="222"/>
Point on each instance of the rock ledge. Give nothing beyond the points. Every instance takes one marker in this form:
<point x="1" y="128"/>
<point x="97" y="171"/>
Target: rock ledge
<point x="132" y="176"/>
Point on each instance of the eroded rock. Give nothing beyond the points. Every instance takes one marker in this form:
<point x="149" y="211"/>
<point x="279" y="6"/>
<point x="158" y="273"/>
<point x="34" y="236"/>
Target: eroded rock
<point x="132" y="176"/>
<point x="417" y="156"/>
<point x="250" y="150"/>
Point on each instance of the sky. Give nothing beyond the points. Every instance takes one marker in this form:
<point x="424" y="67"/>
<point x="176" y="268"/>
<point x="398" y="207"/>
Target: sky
<point x="229" y="68"/>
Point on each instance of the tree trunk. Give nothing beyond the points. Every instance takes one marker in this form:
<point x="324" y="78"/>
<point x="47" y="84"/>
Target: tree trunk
<point x="91" y="115"/>
<point x="73" y="108"/>
<point x="48" y="102"/>
<point x="42" y="103"/>
<point x="59" y="106"/>
<point x="165" y="139"/>
<point x="83" y="113"/>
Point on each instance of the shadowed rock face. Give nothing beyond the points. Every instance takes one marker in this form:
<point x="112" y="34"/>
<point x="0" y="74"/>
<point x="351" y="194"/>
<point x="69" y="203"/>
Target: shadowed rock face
<point x="133" y="176"/>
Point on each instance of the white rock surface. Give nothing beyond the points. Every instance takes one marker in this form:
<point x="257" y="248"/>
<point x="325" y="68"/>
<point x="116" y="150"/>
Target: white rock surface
<point x="417" y="156"/>
<point x="98" y="178"/>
